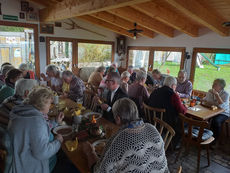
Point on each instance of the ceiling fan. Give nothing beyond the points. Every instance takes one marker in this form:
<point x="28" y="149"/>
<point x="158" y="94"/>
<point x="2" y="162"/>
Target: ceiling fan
<point x="226" y="24"/>
<point x="135" y="31"/>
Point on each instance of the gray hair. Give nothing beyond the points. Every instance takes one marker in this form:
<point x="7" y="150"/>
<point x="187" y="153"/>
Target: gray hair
<point x="169" y="81"/>
<point x="126" y="109"/>
<point x="67" y="73"/>
<point x="6" y="68"/>
<point x="183" y="71"/>
<point x="52" y="68"/>
<point x="100" y="69"/>
<point x="130" y="67"/>
<point x="114" y="76"/>
<point x="125" y="74"/>
<point x="221" y="82"/>
<point x="23" y="67"/>
<point x="143" y="69"/>
<point x="140" y="75"/>
<point x="23" y="85"/>
<point x="156" y="71"/>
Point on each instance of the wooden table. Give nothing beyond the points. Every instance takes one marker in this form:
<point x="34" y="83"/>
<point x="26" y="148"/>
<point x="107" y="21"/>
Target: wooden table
<point x="204" y="113"/>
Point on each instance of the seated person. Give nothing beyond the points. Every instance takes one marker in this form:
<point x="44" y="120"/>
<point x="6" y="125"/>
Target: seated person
<point x="137" y="91"/>
<point x="167" y="98"/>
<point x="184" y="86"/>
<point x="53" y="76"/>
<point x="125" y="76"/>
<point x="114" y="65"/>
<point x="96" y="77"/>
<point x="217" y="96"/>
<point x="149" y="79"/>
<point x="30" y="133"/>
<point x="27" y="74"/>
<point x="115" y="93"/>
<point x="122" y="151"/>
<point x="76" y="86"/>
<point x="22" y="89"/>
<point x="7" y="90"/>
<point x="2" y="75"/>
<point x="132" y="74"/>
<point x="158" y="78"/>
<point x="4" y="71"/>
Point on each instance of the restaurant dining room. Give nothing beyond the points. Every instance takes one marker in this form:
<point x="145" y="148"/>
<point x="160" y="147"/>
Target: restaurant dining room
<point x="114" y="86"/>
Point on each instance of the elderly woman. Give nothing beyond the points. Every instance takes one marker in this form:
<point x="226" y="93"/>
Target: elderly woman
<point x="8" y="89"/>
<point x="22" y="89"/>
<point x="124" y="81"/>
<point x="217" y="96"/>
<point x="130" y="149"/>
<point x="30" y="133"/>
<point x="53" y="75"/>
<point x="96" y="77"/>
<point x="26" y="72"/>
<point x="76" y="86"/>
<point x="137" y="91"/>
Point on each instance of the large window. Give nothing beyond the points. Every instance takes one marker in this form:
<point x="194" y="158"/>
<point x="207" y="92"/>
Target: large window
<point x="94" y="54"/>
<point x="209" y="65"/>
<point x="17" y="44"/>
<point x="139" y="58"/>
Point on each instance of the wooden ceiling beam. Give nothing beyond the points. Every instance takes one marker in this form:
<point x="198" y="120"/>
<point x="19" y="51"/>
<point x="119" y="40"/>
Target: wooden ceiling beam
<point x="106" y="25"/>
<point x="72" y="8"/>
<point x="129" y="13"/>
<point x="110" y="18"/>
<point x="168" y="17"/>
<point x="200" y="13"/>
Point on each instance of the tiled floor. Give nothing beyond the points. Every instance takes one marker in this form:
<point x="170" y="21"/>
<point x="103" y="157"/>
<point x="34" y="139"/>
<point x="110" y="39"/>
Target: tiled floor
<point x="220" y="160"/>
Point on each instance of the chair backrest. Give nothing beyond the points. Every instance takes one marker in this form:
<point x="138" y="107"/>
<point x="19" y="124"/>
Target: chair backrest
<point x="179" y="170"/>
<point x="165" y="130"/>
<point x="188" y="137"/>
<point x="152" y="112"/>
<point x="87" y="99"/>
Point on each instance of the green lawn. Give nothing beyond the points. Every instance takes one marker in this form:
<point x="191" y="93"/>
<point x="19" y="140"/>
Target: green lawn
<point x="171" y="66"/>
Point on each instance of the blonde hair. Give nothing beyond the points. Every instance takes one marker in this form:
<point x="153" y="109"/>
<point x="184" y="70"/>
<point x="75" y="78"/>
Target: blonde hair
<point x="39" y="97"/>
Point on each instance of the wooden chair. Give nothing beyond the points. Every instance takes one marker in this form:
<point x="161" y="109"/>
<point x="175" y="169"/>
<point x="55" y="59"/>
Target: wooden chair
<point x="150" y="111"/>
<point x="165" y="130"/>
<point x="188" y="137"/>
<point x="88" y="97"/>
<point x="179" y="170"/>
<point x="225" y="126"/>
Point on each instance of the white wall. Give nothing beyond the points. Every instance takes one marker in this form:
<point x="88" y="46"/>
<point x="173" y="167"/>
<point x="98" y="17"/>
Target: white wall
<point x="12" y="7"/>
<point x="206" y="39"/>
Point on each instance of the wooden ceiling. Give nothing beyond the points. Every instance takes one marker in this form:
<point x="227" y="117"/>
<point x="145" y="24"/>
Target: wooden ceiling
<point x="152" y="16"/>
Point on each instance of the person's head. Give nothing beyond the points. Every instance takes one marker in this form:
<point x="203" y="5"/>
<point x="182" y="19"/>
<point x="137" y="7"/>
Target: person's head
<point x="141" y="76"/>
<point x="111" y="69"/>
<point x="143" y="69"/>
<point x="101" y="70"/>
<point x="67" y="76"/>
<point x="170" y="82"/>
<point x="6" y="68"/>
<point x="113" y="81"/>
<point x="130" y="69"/>
<point x="13" y="75"/>
<point x="114" y="64"/>
<point x="218" y="84"/>
<point x="24" y="86"/>
<point x="182" y="76"/>
<point x="52" y="70"/>
<point x="156" y="74"/>
<point x="4" y="64"/>
<point x="125" y="111"/>
<point x="41" y="98"/>
<point x="24" y="68"/>
<point x="125" y="76"/>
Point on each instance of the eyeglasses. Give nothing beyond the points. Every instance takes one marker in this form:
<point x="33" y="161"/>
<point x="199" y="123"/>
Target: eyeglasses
<point x="108" y="80"/>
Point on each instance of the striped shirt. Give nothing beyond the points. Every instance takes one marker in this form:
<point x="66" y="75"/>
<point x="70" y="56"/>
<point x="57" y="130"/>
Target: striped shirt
<point x="184" y="89"/>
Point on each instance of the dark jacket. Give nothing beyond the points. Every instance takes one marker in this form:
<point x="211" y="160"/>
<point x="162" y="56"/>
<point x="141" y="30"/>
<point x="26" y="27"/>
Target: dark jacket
<point x="118" y="95"/>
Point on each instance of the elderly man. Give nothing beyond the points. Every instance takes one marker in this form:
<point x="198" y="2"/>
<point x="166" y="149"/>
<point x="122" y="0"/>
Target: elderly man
<point x="22" y="89"/>
<point x="26" y="72"/>
<point x="184" y="86"/>
<point x="76" y="86"/>
<point x="158" y="78"/>
<point x="167" y="98"/>
<point x="114" y="94"/>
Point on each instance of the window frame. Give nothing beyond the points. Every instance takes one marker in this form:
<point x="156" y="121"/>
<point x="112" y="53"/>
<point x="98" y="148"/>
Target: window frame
<point x="36" y="49"/>
<point x="151" y="54"/>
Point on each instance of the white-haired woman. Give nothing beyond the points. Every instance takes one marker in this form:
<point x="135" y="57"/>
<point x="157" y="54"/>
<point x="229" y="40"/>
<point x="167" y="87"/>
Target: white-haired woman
<point x="124" y="81"/>
<point x="53" y="75"/>
<point x="136" y="147"/>
<point x="30" y="134"/>
<point x="26" y="72"/>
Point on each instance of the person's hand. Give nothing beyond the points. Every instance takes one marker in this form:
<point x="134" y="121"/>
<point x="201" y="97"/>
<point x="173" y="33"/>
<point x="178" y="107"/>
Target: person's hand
<point x="215" y="92"/>
<point x="104" y="107"/>
<point x="60" y="117"/>
<point x="59" y="137"/>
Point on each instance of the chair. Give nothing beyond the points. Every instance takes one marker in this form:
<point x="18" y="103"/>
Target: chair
<point x="225" y="125"/>
<point x="87" y="99"/>
<point x="179" y="170"/>
<point x="150" y="111"/>
<point x="197" y="135"/>
<point x="93" y="106"/>
<point x="165" y="130"/>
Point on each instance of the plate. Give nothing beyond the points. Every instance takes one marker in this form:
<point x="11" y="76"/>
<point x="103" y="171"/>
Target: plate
<point x="99" y="146"/>
<point x="64" y="130"/>
<point x="89" y="115"/>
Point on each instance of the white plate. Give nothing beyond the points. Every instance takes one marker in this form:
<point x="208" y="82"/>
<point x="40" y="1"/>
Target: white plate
<point x="88" y="114"/>
<point x="98" y="142"/>
<point x="55" y="130"/>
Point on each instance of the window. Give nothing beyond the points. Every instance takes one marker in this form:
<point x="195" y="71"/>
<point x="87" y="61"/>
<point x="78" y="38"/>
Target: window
<point x="139" y="58"/>
<point x="94" y="54"/>
<point x="18" y="44"/>
<point x="208" y="66"/>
